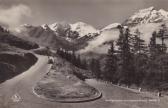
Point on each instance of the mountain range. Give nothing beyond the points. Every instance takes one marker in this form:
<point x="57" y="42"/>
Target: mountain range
<point x="85" y="38"/>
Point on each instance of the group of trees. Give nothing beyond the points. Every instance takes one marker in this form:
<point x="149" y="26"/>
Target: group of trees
<point x="134" y="62"/>
<point x="93" y="65"/>
<point x="130" y="60"/>
<point x="73" y="58"/>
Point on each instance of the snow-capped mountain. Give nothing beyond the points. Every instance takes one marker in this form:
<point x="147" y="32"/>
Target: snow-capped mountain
<point x="42" y="35"/>
<point x="60" y="28"/>
<point x="100" y="44"/>
<point x="146" y="21"/>
<point x="58" y="34"/>
<point x="59" y="25"/>
<point x="111" y="26"/>
<point x="149" y="15"/>
<point x="3" y="29"/>
<point x="83" y="29"/>
<point x="45" y="27"/>
<point x="85" y="37"/>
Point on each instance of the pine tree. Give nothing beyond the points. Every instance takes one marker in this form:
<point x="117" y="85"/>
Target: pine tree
<point x="120" y="39"/>
<point x="153" y="49"/>
<point x="92" y="65"/>
<point x="140" y="58"/>
<point x="110" y="65"/>
<point x="153" y="72"/>
<point x="95" y="67"/>
<point x="126" y="68"/>
<point x="83" y="64"/>
<point x="78" y="61"/>
<point x="162" y="36"/>
<point x="138" y="43"/>
<point x="73" y="58"/>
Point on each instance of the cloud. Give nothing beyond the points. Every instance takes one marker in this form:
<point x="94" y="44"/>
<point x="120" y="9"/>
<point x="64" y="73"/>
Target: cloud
<point x="14" y="15"/>
<point x="97" y="43"/>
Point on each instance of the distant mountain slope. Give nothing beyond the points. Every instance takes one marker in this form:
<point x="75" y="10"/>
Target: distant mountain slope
<point x="14" y="55"/>
<point x="42" y="35"/>
<point x="100" y="44"/>
<point x="146" y="21"/>
<point x="84" y="29"/>
<point x="148" y="15"/>
<point x="85" y="38"/>
<point x="10" y="39"/>
<point x="59" y="35"/>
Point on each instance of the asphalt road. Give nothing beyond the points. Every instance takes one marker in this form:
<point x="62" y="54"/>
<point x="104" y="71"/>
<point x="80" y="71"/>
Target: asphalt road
<point x="17" y="93"/>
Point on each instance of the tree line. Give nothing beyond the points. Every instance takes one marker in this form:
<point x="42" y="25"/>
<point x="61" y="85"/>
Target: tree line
<point x="135" y="62"/>
<point x="72" y="58"/>
<point x="130" y="60"/>
<point x="93" y="65"/>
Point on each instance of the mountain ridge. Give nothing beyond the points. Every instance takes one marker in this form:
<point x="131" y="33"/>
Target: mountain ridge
<point x="83" y="36"/>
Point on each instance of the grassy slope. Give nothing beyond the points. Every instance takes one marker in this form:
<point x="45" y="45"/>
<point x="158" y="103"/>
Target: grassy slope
<point x="14" y="55"/>
<point x="61" y="84"/>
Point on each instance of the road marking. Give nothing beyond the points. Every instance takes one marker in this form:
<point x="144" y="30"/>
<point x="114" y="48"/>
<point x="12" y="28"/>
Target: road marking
<point x="145" y="100"/>
<point x="16" y="98"/>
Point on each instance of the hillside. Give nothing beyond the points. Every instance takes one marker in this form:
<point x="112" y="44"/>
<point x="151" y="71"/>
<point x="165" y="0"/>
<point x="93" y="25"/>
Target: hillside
<point x="14" y="55"/>
<point x="12" y="64"/>
<point x="59" y="35"/>
<point x="12" y="40"/>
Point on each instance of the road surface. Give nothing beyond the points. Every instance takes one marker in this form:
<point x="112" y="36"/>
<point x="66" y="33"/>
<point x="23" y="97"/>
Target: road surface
<point x="17" y="93"/>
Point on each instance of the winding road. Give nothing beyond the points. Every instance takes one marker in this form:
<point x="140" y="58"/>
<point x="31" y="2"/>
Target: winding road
<point x="17" y="93"/>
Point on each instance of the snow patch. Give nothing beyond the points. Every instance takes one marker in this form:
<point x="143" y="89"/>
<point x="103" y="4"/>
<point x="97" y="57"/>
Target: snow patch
<point x="111" y="26"/>
<point x="149" y="15"/>
<point x="83" y="28"/>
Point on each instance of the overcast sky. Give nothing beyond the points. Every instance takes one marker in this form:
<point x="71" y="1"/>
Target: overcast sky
<point x="98" y="13"/>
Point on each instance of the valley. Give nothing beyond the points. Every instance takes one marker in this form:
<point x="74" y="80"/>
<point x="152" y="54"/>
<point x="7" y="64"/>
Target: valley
<point x="68" y="65"/>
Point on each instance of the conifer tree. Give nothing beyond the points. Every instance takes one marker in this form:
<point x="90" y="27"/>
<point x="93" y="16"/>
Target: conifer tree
<point x="95" y="67"/>
<point x="138" y="43"/>
<point x="110" y="65"/>
<point x="153" y="48"/>
<point x="126" y="68"/>
<point x="162" y="35"/>
<point x="140" y="58"/>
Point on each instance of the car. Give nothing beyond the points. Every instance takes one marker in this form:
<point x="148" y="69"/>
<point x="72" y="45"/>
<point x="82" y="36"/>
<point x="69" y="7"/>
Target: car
<point x="50" y="61"/>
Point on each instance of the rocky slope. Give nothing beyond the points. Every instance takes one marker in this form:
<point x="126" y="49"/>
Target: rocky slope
<point x="59" y="35"/>
<point x="148" y="15"/>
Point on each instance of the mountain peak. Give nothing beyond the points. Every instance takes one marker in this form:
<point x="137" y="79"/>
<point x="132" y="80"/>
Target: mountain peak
<point x="80" y="23"/>
<point x="58" y="25"/>
<point x="45" y="27"/>
<point x="26" y="25"/>
<point x="147" y="9"/>
<point x="111" y="26"/>
<point x="148" y="15"/>
<point x="83" y="28"/>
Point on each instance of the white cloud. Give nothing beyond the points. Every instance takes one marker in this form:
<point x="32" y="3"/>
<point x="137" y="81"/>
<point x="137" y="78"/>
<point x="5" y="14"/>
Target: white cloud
<point x="95" y="44"/>
<point x="14" y="15"/>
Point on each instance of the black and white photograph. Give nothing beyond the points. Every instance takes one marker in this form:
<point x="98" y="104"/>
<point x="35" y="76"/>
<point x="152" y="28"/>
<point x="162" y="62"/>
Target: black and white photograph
<point x="83" y="53"/>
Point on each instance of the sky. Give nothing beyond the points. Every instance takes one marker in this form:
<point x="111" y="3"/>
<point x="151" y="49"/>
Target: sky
<point x="98" y="13"/>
